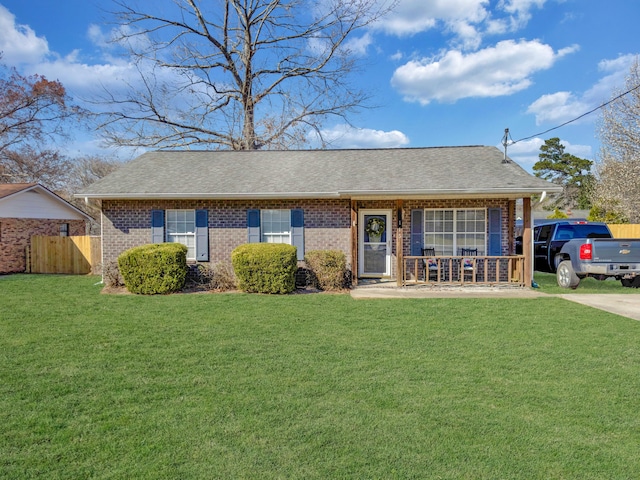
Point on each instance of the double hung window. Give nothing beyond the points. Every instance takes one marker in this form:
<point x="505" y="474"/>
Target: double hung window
<point x="181" y="228"/>
<point x="276" y="226"/>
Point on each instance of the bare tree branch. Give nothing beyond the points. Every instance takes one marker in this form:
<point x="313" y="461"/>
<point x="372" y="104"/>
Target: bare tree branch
<point x="239" y="74"/>
<point x="617" y="191"/>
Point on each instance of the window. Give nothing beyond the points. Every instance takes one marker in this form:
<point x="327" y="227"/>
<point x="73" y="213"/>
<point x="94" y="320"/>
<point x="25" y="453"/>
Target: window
<point x="64" y="229"/>
<point x="448" y="231"/>
<point x="181" y="228"/>
<point x="276" y="226"/>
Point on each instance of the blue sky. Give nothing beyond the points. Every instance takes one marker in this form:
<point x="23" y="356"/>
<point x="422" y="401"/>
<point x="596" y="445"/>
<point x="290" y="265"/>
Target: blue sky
<point x="441" y="72"/>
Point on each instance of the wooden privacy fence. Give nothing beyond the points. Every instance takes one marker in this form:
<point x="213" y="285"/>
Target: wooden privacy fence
<point x="71" y="255"/>
<point x="626" y="230"/>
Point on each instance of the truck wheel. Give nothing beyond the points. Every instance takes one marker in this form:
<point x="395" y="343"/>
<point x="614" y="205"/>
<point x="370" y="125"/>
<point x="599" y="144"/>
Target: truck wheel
<point x="566" y="277"/>
<point x="631" y="282"/>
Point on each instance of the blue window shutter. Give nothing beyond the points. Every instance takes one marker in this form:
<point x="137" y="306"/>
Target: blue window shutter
<point x="417" y="232"/>
<point x="297" y="231"/>
<point x="495" y="232"/>
<point x="253" y="226"/>
<point x="202" y="235"/>
<point x="157" y="226"/>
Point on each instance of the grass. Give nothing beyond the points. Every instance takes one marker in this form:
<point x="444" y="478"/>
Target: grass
<point x="549" y="284"/>
<point x="311" y="386"/>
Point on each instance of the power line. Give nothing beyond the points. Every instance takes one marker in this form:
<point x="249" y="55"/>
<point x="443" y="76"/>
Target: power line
<point x="578" y="118"/>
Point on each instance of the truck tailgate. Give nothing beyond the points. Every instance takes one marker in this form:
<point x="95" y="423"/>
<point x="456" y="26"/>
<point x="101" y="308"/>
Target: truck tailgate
<point x="616" y="250"/>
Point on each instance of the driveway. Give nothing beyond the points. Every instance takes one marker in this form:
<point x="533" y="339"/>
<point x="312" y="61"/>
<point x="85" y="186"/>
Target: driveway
<point x="627" y="305"/>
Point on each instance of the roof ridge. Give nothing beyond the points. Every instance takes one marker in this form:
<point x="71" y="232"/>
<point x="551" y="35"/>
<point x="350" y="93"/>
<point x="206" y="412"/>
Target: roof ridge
<point x="317" y="150"/>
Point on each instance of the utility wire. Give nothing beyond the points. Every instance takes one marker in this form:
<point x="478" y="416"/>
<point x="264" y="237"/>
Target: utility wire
<point x="578" y="118"/>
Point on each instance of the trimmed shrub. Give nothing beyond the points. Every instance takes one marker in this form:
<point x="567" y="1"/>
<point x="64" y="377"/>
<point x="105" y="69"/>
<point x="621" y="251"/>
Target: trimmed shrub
<point x="154" y="269"/>
<point x="265" y="267"/>
<point x="328" y="268"/>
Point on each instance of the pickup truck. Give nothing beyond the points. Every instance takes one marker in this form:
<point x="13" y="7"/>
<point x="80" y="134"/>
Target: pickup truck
<point x="550" y="237"/>
<point x="600" y="258"/>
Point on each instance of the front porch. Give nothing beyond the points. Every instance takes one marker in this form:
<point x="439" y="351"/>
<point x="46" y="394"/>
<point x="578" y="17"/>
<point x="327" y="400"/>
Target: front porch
<point x="479" y="247"/>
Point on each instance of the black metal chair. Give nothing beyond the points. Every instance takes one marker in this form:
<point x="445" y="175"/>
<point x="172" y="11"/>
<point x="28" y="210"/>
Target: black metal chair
<point x="468" y="263"/>
<point x="430" y="264"/>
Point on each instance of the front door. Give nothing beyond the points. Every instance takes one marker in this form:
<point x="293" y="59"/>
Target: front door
<point x="374" y="243"/>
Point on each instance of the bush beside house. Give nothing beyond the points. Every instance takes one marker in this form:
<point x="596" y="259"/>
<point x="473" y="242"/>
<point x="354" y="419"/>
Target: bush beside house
<point x="327" y="269"/>
<point x="265" y="267"/>
<point x="155" y="268"/>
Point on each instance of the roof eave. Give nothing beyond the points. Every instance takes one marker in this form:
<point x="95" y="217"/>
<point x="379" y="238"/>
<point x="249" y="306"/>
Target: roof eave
<point x="205" y="196"/>
<point x="351" y="194"/>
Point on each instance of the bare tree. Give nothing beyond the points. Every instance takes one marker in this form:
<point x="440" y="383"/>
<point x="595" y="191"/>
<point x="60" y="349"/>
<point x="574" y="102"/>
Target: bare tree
<point x="35" y="115"/>
<point x="237" y="74"/>
<point x="83" y="172"/>
<point x="617" y="190"/>
<point x="29" y="164"/>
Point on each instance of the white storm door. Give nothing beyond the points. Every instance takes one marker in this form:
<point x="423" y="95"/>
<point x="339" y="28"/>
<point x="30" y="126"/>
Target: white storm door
<point x="374" y="243"/>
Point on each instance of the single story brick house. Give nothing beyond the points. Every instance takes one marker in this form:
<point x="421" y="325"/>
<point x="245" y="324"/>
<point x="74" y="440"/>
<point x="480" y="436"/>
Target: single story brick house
<point x="381" y="207"/>
<point x="28" y="209"/>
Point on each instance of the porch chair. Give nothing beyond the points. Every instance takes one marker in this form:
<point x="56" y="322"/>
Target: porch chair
<point x="468" y="266"/>
<point x="430" y="264"/>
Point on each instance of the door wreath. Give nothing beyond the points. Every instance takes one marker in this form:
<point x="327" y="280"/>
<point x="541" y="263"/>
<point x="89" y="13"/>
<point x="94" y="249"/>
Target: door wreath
<point x="375" y="228"/>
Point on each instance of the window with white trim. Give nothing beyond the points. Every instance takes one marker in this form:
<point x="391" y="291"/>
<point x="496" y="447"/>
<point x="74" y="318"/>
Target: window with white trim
<point x="181" y="228"/>
<point x="448" y="231"/>
<point x="276" y="226"/>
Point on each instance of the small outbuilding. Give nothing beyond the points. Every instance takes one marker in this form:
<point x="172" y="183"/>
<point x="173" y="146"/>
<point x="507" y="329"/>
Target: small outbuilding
<point x="28" y="209"/>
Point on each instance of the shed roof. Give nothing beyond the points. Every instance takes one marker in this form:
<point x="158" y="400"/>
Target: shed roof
<point x="370" y="173"/>
<point x="10" y="191"/>
<point x="7" y="189"/>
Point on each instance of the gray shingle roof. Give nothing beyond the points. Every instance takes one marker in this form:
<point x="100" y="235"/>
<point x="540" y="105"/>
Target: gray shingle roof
<point x="407" y="172"/>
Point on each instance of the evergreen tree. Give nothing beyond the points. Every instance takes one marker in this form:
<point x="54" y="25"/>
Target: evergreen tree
<point x="571" y="172"/>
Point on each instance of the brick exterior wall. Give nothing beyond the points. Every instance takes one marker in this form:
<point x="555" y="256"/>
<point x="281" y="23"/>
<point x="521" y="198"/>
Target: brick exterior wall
<point x="327" y="223"/>
<point x="16" y="233"/>
<point x="127" y="224"/>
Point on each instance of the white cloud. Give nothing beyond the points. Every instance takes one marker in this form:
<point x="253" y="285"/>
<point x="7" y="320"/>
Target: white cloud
<point x="556" y="107"/>
<point x="468" y="21"/>
<point x="358" y="46"/>
<point x="495" y="71"/>
<point x="81" y="78"/>
<point x="415" y="16"/>
<point x="563" y="106"/>
<point x="519" y="11"/>
<point x="97" y="36"/>
<point x="19" y="44"/>
<point x="345" y="136"/>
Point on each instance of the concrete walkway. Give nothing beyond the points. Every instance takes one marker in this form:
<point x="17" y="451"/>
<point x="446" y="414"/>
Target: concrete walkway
<point x="371" y="291"/>
<point x="627" y="305"/>
<point x="389" y="289"/>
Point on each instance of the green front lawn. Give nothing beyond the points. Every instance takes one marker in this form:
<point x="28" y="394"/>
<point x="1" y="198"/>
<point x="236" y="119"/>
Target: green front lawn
<point x="311" y="386"/>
